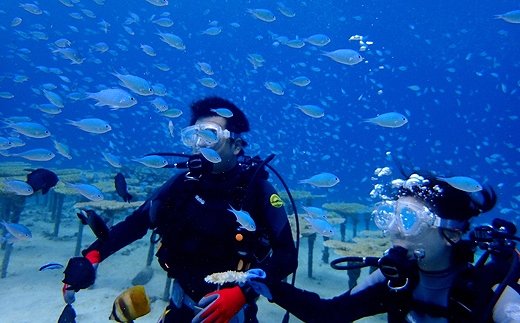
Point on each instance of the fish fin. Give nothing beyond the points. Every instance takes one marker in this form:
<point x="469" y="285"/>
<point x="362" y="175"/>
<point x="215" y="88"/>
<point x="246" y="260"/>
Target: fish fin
<point x="128" y="197"/>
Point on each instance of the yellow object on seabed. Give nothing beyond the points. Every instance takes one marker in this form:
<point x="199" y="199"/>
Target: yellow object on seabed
<point x="131" y="304"/>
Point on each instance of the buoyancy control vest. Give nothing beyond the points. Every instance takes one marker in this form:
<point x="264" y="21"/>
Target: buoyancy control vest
<point x="469" y="297"/>
<point x="198" y="232"/>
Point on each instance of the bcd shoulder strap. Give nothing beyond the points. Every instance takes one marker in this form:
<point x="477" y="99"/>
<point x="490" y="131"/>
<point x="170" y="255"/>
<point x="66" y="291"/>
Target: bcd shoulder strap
<point x="472" y="291"/>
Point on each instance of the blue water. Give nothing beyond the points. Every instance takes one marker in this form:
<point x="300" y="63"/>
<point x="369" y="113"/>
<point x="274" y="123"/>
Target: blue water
<point x="462" y="119"/>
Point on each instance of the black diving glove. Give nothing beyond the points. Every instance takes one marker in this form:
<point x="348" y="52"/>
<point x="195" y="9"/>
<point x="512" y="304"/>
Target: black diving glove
<point x="80" y="273"/>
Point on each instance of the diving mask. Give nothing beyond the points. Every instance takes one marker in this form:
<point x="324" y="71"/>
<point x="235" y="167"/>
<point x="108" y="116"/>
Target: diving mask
<point x="206" y="134"/>
<point x="409" y="218"/>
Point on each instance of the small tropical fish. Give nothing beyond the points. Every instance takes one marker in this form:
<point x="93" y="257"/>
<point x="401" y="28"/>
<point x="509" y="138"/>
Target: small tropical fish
<point x="68" y="53"/>
<point x="5" y="143"/>
<point x="158" y="3"/>
<point x="243" y="217"/>
<point x="288" y="12"/>
<point x="16" y="21"/>
<point x="159" y="104"/>
<point x="18" y="187"/>
<point x="96" y="224"/>
<point x="163" y="67"/>
<point x="511" y="16"/>
<point x="315" y="212"/>
<point x="62" y="149"/>
<point x="48" y="108"/>
<point x="51" y="265"/>
<point x="301" y="81"/>
<point x="274" y="87"/>
<point x="212" y="31"/>
<point x="68" y="315"/>
<point x="322" y="180"/>
<point x="344" y="56"/>
<point x="153" y="161"/>
<point x="135" y="83"/>
<point x="463" y="183"/>
<point x="389" y="120"/>
<point x="42" y="179"/>
<point x="37" y="154"/>
<point x="262" y="14"/>
<point x="208" y="82"/>
<point x="210" y="154"/>
<point x="115" y="98"/>
<point x="172" y="113"/>
<point x="100" y="47"/>
<point x="171" y="128"/>
<point x="208" y="136"/>
<point x="6" y="95"/>
<point x="318" y="40"/>
<point x="322" y="227"/>
<point x="16" y="142"/>
<point x="311" y="110"/>
<point x="121" y="187"/>
<point x="17" y="232"/>
<point x="30" y="129"/>
<point x="131" y="304"/>
<point x="54" y="98"/>
<point x="91" y="192"/>
<point x="223" y="112"/>
<point x="32" y="8"/>
<point x="63" y="42"/>
<point x="112" y="160"/>
<point x="148" y="50"/>
<point x="92" y="125"/>
<point x="172" y="40"/>
<point x="163" y="22"/>
<point x="205" y="67"/>
<point x="159" y="89"/>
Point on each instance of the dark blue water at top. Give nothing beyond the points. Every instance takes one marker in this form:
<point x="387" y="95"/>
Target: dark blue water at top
<point x="462" y="63"/>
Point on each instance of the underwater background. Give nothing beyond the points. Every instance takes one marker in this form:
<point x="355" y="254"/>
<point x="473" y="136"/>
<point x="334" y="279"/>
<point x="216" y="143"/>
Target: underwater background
<point x="451" y="67"/>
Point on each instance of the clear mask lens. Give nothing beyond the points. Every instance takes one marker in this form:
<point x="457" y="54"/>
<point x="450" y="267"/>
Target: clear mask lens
<point x="403" y="217"/>
<point x="203" y="135"/>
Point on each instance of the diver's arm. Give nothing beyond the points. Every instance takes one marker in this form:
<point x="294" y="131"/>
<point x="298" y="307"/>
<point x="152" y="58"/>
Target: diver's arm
<point x="310" y="307"/>
<point x="283" y="260"/>
<point x="134" y="227"/>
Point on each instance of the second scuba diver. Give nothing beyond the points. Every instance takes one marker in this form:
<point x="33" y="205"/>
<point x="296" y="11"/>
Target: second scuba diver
<point x="427" y="276"/>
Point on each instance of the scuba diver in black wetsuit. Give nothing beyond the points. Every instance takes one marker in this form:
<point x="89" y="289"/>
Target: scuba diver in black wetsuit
<point x="427" y="276"/>
<point x="199" y="234"/>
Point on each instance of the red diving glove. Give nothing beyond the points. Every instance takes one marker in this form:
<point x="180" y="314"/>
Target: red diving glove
<point x="220" y="306"/>
<point x="78" y="275"/>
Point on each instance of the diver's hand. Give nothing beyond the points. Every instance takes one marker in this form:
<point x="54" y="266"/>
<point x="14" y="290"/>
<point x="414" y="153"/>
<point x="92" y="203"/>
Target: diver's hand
<point x="220" y="306"/>
<point x="80" y="273"/>
<point x="256" y="279"/>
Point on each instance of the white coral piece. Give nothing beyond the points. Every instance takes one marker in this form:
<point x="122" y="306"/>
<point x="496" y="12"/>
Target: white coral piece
<point x="229" y="276"/>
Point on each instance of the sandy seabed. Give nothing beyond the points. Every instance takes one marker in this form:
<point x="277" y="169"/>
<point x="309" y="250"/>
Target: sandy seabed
<point x="28" y="295"/>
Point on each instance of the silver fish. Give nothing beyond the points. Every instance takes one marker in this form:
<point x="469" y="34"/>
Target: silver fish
<point x="91" y="192"/>
<point x="210" y="155"/>
<point x="245" y="220"/>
